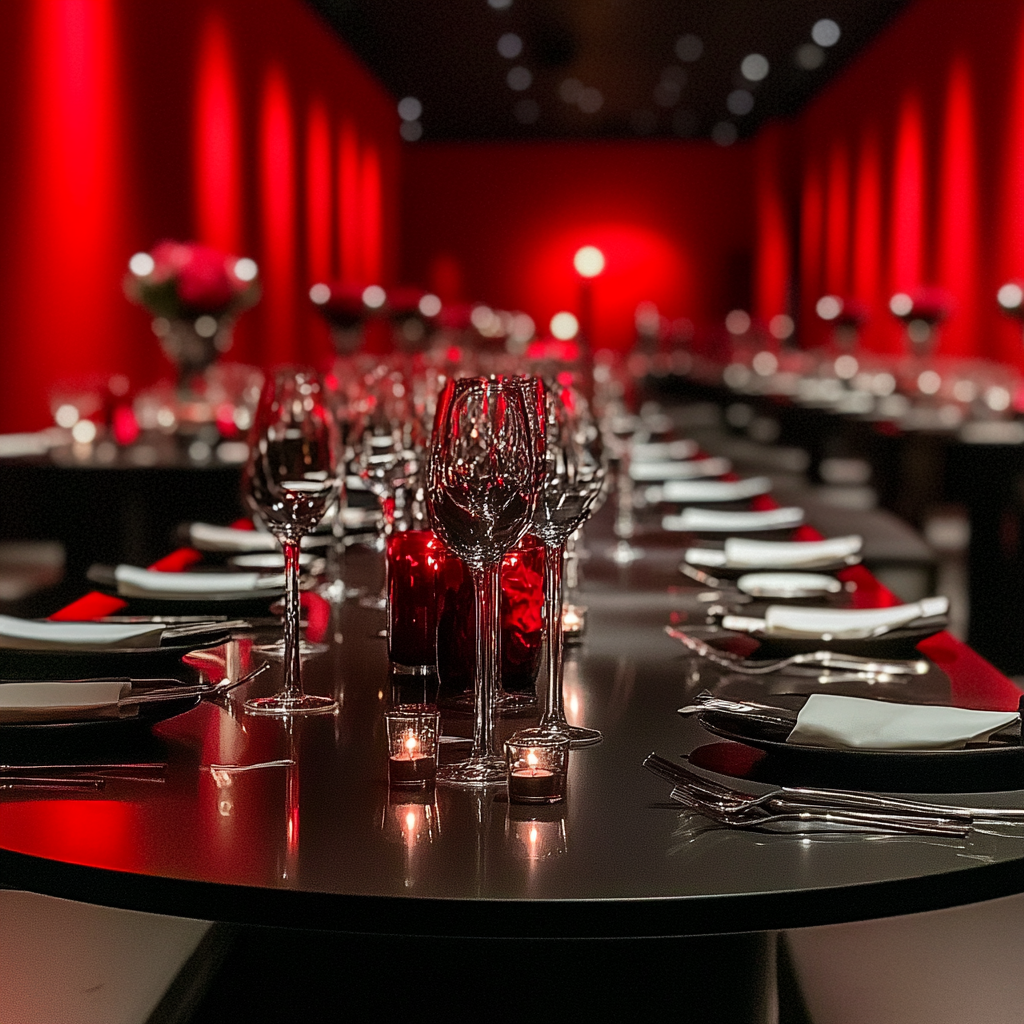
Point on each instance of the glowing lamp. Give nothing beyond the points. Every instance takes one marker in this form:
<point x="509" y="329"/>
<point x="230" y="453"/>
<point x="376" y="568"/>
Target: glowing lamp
<point x="588" y="261"/>
<point x="564" y="326"/>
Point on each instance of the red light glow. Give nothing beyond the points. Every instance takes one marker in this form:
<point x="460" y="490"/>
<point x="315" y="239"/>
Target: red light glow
<point x="348" y="202"/>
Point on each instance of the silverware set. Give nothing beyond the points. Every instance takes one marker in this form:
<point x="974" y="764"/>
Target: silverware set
<point x="865" y="667"/>
<point x="809" y="809"/>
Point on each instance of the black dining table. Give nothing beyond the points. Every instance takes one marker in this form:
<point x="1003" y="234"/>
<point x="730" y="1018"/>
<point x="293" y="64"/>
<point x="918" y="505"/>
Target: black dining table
<point x="322" y="845"/>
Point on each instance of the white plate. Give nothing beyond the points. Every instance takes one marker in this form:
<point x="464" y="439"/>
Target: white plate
<point x="788" y="584"/>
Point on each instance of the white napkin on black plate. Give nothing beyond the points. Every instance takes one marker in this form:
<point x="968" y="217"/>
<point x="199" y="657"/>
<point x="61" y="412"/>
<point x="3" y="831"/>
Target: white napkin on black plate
<point x="692" y="470"/>
<point x="30" y="634"/>
<point x="226" y="538"/>
<point x="135" y="582"/>
<point x="835" y="623"/>
<point x="659" y="451"/>
<point x="829" y="720"/>
<point x="709" y="520"/>
<point x="709" y="490"/>
<point x="743" y="553"/>
<point x="61" y="701"/>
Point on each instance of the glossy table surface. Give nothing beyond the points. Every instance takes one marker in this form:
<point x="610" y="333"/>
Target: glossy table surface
<point x="321" y="844"/>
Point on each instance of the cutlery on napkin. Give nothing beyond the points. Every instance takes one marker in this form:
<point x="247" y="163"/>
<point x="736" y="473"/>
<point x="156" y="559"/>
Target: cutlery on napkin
<point x="692" y="470"/>
<point x="836" y="623"/>
<point x="29" y="634"/>
<point x="709" y="520"/>
<point x="858" y="723"/>
<point x="709" y="490"/>
<point x="743" y="553"/>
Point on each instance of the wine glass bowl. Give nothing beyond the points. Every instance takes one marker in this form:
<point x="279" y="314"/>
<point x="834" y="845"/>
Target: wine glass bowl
<point x="482" y="480"/>
<point x="292" y="481"/>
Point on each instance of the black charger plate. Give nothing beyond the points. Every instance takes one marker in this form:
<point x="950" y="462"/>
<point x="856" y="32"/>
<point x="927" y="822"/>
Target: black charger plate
<point x="994" y="766"/>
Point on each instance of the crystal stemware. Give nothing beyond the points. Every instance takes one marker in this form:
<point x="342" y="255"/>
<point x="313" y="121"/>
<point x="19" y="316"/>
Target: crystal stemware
<point x="292" y="481"/>
<point x="574" y="472"/>
<point x="481" y="491"/>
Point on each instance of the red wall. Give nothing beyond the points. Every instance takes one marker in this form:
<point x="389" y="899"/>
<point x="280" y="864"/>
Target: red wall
<point x="500" y="224"/>
<point x="249" y="127"/>
<point x="908" y="170"/>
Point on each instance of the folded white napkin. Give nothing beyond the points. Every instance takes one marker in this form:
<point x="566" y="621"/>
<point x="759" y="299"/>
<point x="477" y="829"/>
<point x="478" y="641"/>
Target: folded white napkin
<point x="835" y="623"/>
<point x="226" y="538"/>
<point x="135" y="582"/>
<point x="710" y="490"/>
<point x="828" y="720"/>
<point x="658" y="451"/>
<point x="47" y="701"/>
<point x="692" y="470"/>
<point x="709" y="520"/>
<point x="743" y="552"/>
<point x="28" y="634"/>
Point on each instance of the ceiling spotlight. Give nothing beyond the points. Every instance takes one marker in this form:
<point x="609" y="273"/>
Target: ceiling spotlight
<point x="740" y="102"/>
<point x="737" y="321"/>
<point x="754" y="67"/>
<point x="320" y="293"/>
<point x="519" y="78"/>
<point x="564" y="326"/>
<point x="901" y="304"/>
<point x="590" y="100"/>
<point x="499" y="5"/>
<point x="430" y="305"/>
<point x="374" y="296"/>
<point x="781" y="326"/>
<point x="142" y="264"/>
<point x="825" y="32"/>
<point x="410" y="108"/>
<point x="809" y="57"/>
<point x="510" y="45"/>
<point x="246" y="269"/>
<point x="828" y="307"/>
<point x="689" y="47"/>
<point x="1010" y="296"/>
<point x="588" y="261"/>
<point x="724" y="133"/>
<point x="411" y="131"/>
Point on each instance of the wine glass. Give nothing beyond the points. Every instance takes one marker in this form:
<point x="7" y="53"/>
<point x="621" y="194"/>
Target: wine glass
<point x="574" y="475"/>
<point x="292" y="482"/>
<point x="481" y="491"/>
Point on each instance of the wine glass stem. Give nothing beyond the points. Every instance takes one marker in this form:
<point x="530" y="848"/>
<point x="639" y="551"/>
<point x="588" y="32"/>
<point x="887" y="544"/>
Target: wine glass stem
<point x="292" y="612"/>
<point x="554" y="713"/>
<point x="488" y="658"/>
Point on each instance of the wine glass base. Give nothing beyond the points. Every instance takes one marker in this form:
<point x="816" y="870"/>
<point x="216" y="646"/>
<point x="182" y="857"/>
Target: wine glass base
<point x="474" y="773"/>
<point x="577" y="735"/>
<point x="504" y="703"/>
<point x="286" y="704"/>
<point x="275" y="651"/>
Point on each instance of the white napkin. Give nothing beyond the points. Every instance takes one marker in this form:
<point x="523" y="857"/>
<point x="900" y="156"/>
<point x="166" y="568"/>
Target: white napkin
<point x="745" y="553"/>
<point x="28" y="634"/>
<point x="658" y="451"/>
<point x="828" y="720"/>
<point x="47" y="701"/>
<point x="135" y="582"/>
<point x="836" y="623"/>
<point x="710" y="490"/>
<point x="709" y="520"/>
<point x="692" y="470"/>
<point x="226" y="538"/>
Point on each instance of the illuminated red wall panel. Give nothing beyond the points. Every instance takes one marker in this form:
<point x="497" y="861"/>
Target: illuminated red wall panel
<point x="135" y="122"/>
<point x="500" y="223"/>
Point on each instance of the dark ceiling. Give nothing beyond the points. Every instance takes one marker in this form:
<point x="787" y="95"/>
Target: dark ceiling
<point x="602" y="68"/>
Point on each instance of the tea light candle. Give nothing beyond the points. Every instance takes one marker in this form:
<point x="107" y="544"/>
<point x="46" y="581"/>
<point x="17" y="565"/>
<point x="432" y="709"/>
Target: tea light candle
<point x="537" y="765"/>
<point x="574" y="621"/>
<point x="412" y="745"/>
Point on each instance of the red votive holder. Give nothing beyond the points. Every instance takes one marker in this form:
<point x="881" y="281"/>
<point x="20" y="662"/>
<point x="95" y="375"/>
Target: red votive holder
<point x="537" y="766"/>
<point x="413" y="731"/>
<point x="414" y="559"/>
<point x="522" y="622"/>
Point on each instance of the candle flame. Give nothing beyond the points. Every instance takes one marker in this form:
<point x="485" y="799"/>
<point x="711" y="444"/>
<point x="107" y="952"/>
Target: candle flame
<point x="531" y="759"/>
<point x="533" y="834"/>
<point x="411" y="743"/>
<point x="410" y="821"/>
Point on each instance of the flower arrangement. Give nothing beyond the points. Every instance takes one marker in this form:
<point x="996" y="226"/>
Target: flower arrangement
<point x="186" y="280"/>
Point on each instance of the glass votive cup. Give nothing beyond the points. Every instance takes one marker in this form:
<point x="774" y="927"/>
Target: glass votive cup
<point x="413" y="732"/>
<point x="537" y="765"/>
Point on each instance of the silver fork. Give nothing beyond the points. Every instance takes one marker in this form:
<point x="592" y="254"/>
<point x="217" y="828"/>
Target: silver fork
<point x="807" y="796"/>
<point x="174" y="692"/>
<point x="827" y="659"/>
